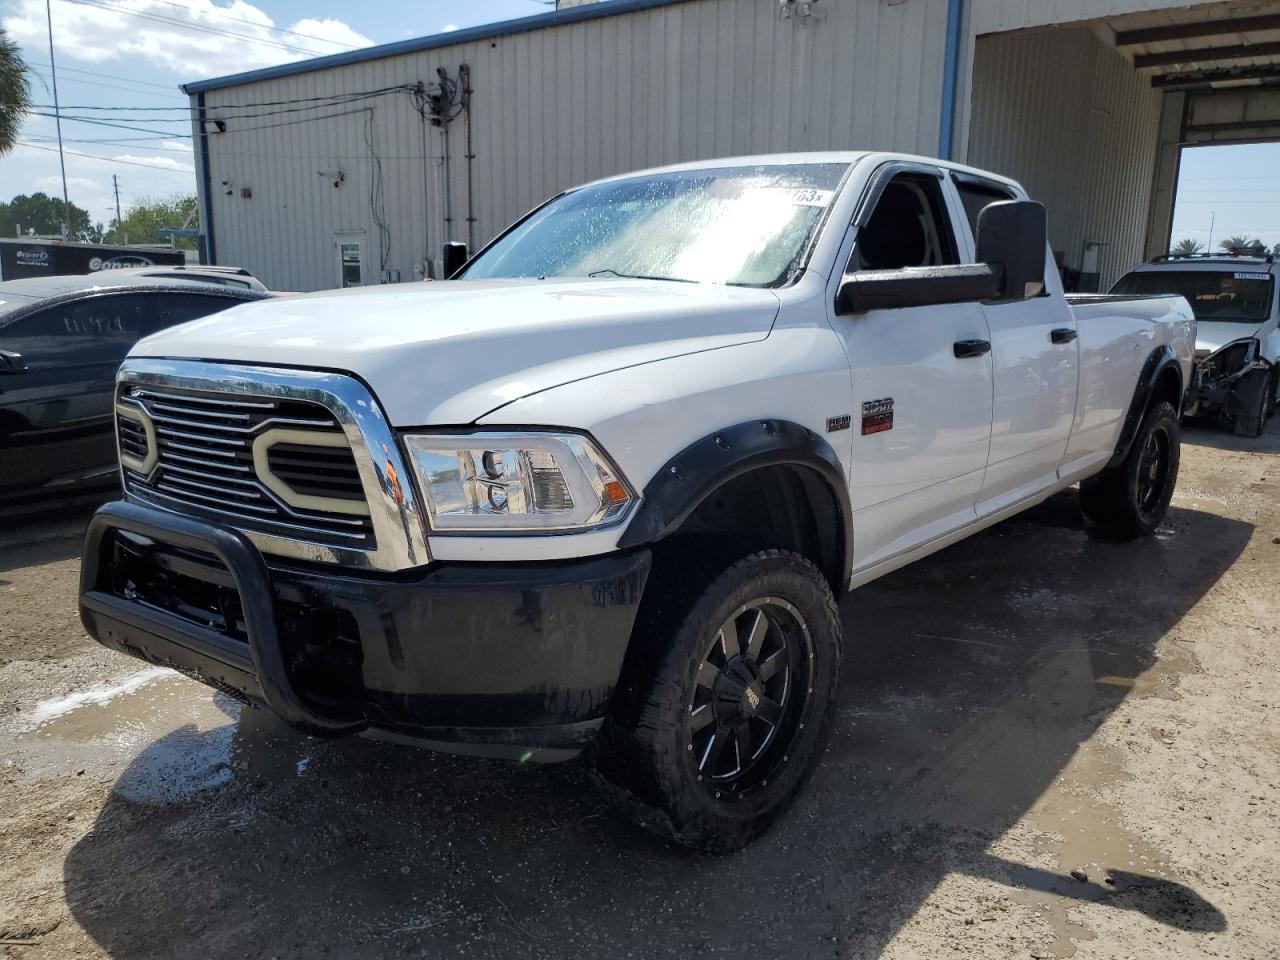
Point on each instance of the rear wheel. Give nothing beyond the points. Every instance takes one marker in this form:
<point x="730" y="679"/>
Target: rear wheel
<point x="1132" y="498"/>
<point x="728" y="706"/>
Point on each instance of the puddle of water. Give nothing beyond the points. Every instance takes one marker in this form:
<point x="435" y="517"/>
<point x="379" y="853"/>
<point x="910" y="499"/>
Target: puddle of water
<point x="1097" y="857"/>
<point x="161" y="736"/>
<point x="1085" y="834"/>
<point x="47" y="710"/>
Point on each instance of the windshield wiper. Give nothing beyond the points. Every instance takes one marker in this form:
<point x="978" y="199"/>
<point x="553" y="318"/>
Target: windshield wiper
<point x="635" y="276"/>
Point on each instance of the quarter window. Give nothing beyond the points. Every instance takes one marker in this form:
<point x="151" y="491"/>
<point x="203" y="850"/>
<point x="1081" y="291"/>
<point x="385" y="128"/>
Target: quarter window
<point x="976" y="197"/>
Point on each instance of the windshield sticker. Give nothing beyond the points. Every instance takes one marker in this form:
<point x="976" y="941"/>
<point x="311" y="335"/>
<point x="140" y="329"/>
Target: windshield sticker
<point x="809" y="197"/>
<point x="1253" y="276"/>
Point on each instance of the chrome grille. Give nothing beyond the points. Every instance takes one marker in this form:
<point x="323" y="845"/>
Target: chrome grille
<point x="133" y="438"/>
<point x="206" y="466"/>
<point x="317" y="471"/>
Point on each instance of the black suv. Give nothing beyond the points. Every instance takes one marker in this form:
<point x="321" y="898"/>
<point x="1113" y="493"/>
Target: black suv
<point x="61" y="342"/>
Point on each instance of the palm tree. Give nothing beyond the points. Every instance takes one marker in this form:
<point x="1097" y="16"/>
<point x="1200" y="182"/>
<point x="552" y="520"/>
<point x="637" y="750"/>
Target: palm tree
<point x="1242" y="244"/>
<point x="15" y="93"/>
<point x="1184" y="248"/>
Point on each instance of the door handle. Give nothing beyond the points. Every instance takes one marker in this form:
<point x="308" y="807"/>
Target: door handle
<point x="971" y="348"/>
<point x="1062" y="335"/>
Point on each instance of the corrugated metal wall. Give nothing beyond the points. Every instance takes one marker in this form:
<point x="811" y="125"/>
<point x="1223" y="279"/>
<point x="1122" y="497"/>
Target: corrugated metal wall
<point x="555" y="107"/>
<point x="990" y="16"/>
<point x="1066" y="115"/>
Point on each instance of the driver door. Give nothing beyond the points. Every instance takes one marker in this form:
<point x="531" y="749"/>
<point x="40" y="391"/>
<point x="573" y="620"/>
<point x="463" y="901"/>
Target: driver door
<point x="921" y="379"/>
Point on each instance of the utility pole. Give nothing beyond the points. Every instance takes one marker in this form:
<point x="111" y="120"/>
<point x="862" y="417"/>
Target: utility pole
<point x="1212" y="217"/>
<point x="57" y="118"/>
<point x="115" y="183"/>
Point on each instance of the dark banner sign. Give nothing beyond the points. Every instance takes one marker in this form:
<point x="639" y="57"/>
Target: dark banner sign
<point x="29" y="258"/>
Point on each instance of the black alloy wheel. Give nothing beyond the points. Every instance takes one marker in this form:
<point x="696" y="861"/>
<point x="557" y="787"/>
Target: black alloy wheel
<point x="724" y="708"/>
<point x="749" y="696"/>
<point x="1153" y="469"/>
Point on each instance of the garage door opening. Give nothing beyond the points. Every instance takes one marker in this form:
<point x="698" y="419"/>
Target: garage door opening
<point x="1227" y="200"/>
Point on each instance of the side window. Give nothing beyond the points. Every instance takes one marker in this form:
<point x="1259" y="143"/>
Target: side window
<point x="909" y="227"/>
<point x="976" y="197"/>
<point x="84" y="331"/>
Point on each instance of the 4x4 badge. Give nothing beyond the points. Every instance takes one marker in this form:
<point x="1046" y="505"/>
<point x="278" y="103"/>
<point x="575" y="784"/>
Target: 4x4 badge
<point x="877" y="416"/>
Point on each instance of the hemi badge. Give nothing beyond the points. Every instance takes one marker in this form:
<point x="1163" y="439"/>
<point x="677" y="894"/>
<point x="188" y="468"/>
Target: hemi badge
<point x="877" y="416"/>
<point x="839" y="423"/>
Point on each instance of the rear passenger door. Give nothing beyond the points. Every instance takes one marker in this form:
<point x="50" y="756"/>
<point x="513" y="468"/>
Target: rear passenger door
<point x="1035" y="354"/>
<point x="922" y="411"/>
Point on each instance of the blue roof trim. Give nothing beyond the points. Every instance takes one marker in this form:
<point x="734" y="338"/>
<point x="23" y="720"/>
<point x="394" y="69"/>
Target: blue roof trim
<point x="503" y="28"/>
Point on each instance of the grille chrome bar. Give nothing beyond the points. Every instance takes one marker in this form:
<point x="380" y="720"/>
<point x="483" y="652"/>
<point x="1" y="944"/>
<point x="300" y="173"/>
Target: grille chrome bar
<point x="207" y="464"/>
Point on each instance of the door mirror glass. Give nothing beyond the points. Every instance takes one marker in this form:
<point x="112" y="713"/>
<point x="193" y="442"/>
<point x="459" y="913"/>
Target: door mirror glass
<point x="916" y="287"/>
<point x="11" y="362"/>
<point x="1012" y="237"/>
<point x="455" y="255"/>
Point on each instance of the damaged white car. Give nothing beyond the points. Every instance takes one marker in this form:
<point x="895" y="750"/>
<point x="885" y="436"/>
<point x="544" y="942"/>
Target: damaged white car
<point x="1237" y="376"/>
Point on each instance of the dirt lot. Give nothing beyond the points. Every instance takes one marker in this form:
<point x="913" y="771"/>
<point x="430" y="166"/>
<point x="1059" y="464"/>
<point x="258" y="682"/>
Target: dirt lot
<point x="1050" y="746"/>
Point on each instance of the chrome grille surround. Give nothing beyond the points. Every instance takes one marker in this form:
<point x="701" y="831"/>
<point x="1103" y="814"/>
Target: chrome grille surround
<point x="394" y="517"/>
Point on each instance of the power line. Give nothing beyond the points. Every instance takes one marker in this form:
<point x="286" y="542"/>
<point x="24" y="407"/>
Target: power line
<point x="226" y="16"/>
<point x="336" y="101"/>
<point x="328" y="99"/>
<point x="96" y="156"/>
<point x="199" y="28"/>
<point x="170" y="88"/>
<point x="103" y="85"/>
<point x="118" y="126"/>
<point x="290" y="123"/>
<point x="120" y="142"/>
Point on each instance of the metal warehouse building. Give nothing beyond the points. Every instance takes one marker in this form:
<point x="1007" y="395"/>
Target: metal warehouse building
<point x="355" y="168"/>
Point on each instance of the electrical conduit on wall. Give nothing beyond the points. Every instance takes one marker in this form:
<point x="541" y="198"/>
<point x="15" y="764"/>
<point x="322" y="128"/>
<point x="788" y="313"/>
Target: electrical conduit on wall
<point x="950" y="78"/>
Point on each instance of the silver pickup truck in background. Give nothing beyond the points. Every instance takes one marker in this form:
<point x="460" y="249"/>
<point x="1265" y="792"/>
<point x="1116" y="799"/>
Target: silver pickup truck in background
<point x="1236" y="300"/>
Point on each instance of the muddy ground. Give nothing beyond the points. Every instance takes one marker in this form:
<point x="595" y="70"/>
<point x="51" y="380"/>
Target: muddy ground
<point x="1034" y="702"/>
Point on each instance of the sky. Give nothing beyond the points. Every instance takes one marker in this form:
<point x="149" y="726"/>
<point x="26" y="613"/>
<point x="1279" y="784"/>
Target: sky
<point x="1236" y="189"/>
<point x="132" y="54"/>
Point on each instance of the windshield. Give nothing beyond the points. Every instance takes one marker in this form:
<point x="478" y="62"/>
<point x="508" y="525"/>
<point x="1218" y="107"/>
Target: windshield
<point x="1243" y="295"/>
<point x="747" y="226"/>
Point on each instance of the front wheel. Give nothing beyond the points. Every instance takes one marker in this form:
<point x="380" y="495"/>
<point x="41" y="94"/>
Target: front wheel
<point x="1253" y="395"/>
<point x="1132" y="498"/>
<point x="728" y="706"/>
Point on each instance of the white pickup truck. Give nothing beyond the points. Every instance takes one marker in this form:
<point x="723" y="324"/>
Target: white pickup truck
<point x="602" y="490"/>
<point x="1236" y="300"/>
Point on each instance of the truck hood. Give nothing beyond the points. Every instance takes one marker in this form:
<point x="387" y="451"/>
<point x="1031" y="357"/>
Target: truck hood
<point x="449" y="352"/>
<point x="1213" y="335"/>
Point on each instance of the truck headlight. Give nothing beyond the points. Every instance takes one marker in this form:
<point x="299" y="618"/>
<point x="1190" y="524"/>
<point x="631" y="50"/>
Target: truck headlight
<point x="1232" y="358"/>
<point x="517" y="482"/>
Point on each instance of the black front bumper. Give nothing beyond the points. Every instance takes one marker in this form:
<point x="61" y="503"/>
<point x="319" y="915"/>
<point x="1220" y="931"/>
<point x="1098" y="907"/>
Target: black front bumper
<point x="516" y="659"/>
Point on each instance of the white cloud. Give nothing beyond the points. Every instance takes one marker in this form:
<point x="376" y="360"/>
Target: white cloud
<point x="161" y="162"/>
<point x="449" y="28"/>
<point x="53" y="184"/>
<point x="194" y="41"/>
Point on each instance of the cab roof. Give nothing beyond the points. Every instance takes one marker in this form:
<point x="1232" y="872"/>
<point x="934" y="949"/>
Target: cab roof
<point x="17" y="296"/>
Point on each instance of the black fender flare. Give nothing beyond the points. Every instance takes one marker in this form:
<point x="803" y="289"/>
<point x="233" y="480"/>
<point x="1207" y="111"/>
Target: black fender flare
<point x="686" y="480"/>
<point x="1159" y="360"/>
